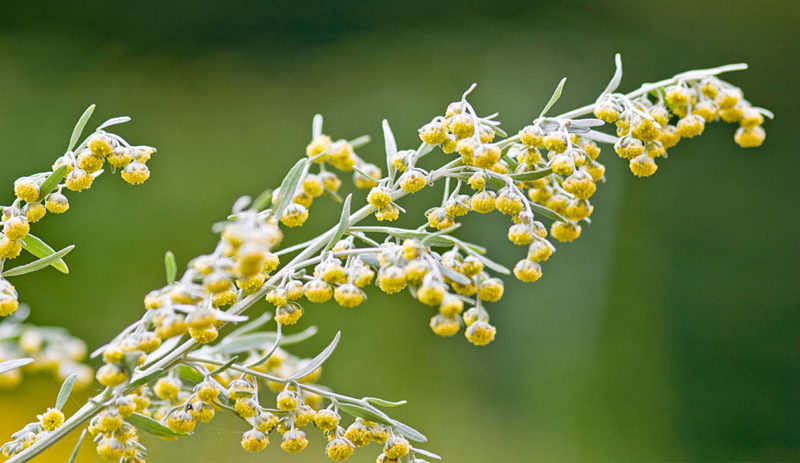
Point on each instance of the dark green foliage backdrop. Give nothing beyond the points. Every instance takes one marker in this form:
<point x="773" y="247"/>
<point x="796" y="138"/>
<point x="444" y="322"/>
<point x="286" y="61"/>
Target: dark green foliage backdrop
<point x="668" y="332"/>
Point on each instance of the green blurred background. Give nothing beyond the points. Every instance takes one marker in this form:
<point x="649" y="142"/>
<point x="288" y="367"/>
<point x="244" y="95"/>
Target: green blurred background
<point x="669" y="331"/>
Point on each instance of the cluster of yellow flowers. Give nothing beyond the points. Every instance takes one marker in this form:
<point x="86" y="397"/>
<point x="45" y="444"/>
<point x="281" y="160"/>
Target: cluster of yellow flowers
<point x="40" y="193"/>
<point x="548" y="170"/>
<point x="42" y="349"/>
<point x="324" y="152"/>
<point x="645" y="128"/>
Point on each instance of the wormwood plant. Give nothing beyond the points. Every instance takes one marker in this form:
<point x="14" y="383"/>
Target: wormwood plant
<point x="174" y="367"/>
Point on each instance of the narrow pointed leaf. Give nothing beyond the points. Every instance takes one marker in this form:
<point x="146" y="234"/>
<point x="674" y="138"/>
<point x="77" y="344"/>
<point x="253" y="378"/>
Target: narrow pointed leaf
<point x="114" y="121"/>
<point x="391" y="146"/>
<point x="527" y="176"/>
<point x="344" y="222"/>
<point x="554" y="98"/>
<point x="65" y="391"/>
<point x="78" y="130"/>
<point x="317" y="361"/>
<point x="451" y="274"/>
<point x="316" y="126"/>
<point x="38" y="264"/>
<point x="170" y="266"/>
<point x="13" y="364"/>
<point x="288" y="186"/>
<point x="145" y="423"/>
<point x="146" y="378"/>
<point x="77" y="448"/>
<point x="427" y="454"/>
<point x="188" y="373"/>
<point x="263" y="200"/>
<point x="40" y="249"/>
<point x="261" y="340"/>
<point x="616" y="79"/>
<point x="373" y="414"/>
<point x="224" y="367"/>
<point x="51" y="182"/>
<point x="384" y="403"/>
<point x="358" y="142"/>
<point x="547" y="212"/>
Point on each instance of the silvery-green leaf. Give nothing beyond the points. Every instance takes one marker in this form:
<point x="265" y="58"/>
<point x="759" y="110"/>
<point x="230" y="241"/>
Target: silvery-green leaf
<point x="138" y="381"/>
<point x="289" y="186"/>
<point x="554" y="98"/>
<point x="114" y="121"/>
<point x="251" y="341"/>
<point x="76" y="132"/>
<point x="616" y="79"/>
<point x="188" y="373"/>
<point x="426" y="149"/>
<point x="344" y="222"/>
<point x="52" y="181"/>
<point x="40" y="249"/>
<point x="263" y="200"/>
<point x="170" y="266"/>
<point x="77" y="448"/>
<point x="370" y="259"/>
<point x="600" y="137"/>
<point x="528" y="176"/>
<point x="38" y="264"/>
<point x="486" y="261"/>
<point x="427" y="454"/>
<point x="317" y="361"/>
<point x="65" y="391"/>
<point x="358" y="142"/>
<point x="145" y="423"/>
<point x="240" y="204"/>
<point x="766" y="112"/>
<point x="316" y="126"/>
<point x="224" y="366"/>
<point x="373" y="414"/>
<point x="547" y="212"/>
<point x="447" y="272"/>
<point x="13" y="364"/>
<point x="390" y="145"/>
<point x="384" y="403"/>
<point x="361" y="412"/>
<point x="586" y="123"/>
<point x="165" y="348"/>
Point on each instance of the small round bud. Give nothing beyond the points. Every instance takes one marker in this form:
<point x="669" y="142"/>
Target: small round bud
<point x="327" y="420"/>
<point x="358" y="434"/>
<point x="287" y="400"/>
<point x="396" y="447"/>
<point x="443" y="325"/>
<point x="643" y="166"/>
<point x="565" y="231"/>
<point x="339" y="449"/>
<point x="480" y="333"/>
<point x="56" y="203"/>
<point x="294" y="441"/>
<point x="26" y="189"/>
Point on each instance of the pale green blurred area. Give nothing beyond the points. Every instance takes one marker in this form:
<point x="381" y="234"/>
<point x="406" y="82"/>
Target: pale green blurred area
<point x="669" y="331"/>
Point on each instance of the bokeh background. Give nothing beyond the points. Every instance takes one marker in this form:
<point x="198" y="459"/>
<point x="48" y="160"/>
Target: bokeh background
<point x="669" y="331"/>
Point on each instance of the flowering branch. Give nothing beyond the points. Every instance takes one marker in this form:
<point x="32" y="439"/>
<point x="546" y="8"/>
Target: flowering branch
<point x="160" y="383"/>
